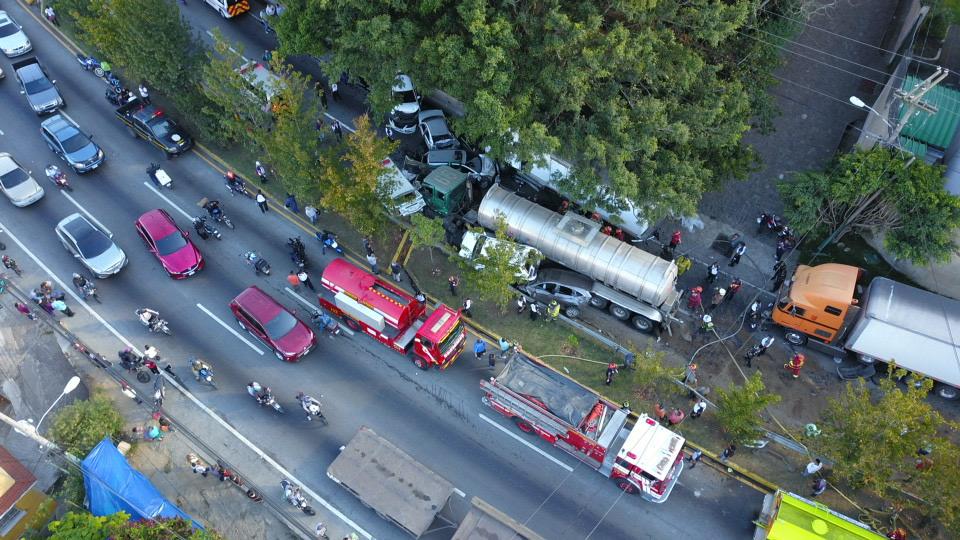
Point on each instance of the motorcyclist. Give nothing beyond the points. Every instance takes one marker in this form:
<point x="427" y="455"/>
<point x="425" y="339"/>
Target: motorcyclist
<point x="150" y="318"/>
<point x="128" y="360"/>
<point x="310" y="405"/>
<point x="200" y="225"/>
<point x="79" y="281"/>
<point x="234" y="183"/>
<point x="260" y="393"/>
<point x="151" y="352"/>
<point x="213" y="208"/>
<point x="198" y="367"/>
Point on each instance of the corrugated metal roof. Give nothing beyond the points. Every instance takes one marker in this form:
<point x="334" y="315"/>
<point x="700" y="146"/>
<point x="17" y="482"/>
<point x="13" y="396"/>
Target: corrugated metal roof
<point x="937" y="129"/>
<point x="915" y="147"/>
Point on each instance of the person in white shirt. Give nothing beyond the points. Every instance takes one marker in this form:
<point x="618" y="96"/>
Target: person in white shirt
<point x="813" y="467"/>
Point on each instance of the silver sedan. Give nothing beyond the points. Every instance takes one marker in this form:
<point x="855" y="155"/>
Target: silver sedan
<point x="91" y="245"/>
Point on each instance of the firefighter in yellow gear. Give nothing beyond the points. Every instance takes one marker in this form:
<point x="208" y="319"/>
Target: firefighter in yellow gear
<point x="553" y="310"/>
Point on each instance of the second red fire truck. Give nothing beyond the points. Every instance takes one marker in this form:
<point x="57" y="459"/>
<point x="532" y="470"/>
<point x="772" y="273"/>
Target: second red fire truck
<point x="390" y="315"/>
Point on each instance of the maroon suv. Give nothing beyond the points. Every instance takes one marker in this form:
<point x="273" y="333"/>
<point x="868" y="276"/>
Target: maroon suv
<point x="270" y="322"/>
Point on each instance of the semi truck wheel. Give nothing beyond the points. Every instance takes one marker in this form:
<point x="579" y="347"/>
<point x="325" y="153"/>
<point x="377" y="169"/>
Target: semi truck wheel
<point x="598" y="302"/>
<point x="626" y="486"/>
<point x="795" y="338"/>
<point x="947" y="392"/>
<point x="523" y="425"/>
<point x="620" y="312"/>
<point x="642" y="323"/>
<point x="420" y="363"/>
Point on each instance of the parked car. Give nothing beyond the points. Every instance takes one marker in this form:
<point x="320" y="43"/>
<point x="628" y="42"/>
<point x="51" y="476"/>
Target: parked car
<point x="274" y="325"/>
<point x="404" y="116"/>
<point x="75" y="147"/>
<point x="476" y="245"/>
<point x="405" y="200"/>
<point x="171" y="244"/>
<point x="17" y="184"/>
<point x="13" y="42"/>
<point x="41" y="91"/>
<point x="570" y="289"/>
<point x="436" y="133"/>
<point x="91" y="244"/>
<point x="482" y="167"/>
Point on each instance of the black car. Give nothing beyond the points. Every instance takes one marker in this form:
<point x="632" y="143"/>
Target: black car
<point x="64" y="137"/>
<point x="148" y="122"/>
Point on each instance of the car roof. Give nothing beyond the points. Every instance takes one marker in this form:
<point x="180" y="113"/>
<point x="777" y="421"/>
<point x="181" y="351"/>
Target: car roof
<point x="429" y="114"/>
<point x="7" y="163"/>
<point x="456" y="155"/>
<point x="56" y="123"/>
<point x="402" y="83"/>
<point x="437" y="127"/>
<point x="158" y="222"/>
<point x="564" y="277"/>
<point x="76" y="224"/>
<point x="31" y="72"/>
<point x="258" y="303"/>
<point x="399" y="185"/>
<point x="4" y="18"/>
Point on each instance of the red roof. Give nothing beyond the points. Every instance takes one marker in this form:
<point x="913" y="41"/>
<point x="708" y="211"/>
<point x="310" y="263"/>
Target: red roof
<point x="23" y="480"/>
<point x="398" y="308"/>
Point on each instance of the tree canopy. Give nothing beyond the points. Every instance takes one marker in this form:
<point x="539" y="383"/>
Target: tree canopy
<point x="878" y="192"/>
<point x="80" y="426"/>
<point x="86" y="526"/>
<point x="650" y="98"/>
<point x="739" y="409"/>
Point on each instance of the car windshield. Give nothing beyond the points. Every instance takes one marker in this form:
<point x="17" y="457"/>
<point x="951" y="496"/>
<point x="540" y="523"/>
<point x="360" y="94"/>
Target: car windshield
<point x="37" y="85"/>
<point x="171" y="243"/>
<point x="92" y="243"/>
<point x="280" y="325"/>
<point x="14" y="178"/>
<point x="407" y="97"/>
<point x="161" y="128"/>
<point x="8" y="29"/>
<point x="72" y="140"/>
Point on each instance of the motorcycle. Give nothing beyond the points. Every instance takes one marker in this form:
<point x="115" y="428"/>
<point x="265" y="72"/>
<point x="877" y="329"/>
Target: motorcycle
<point x="770" y="222"/>
<point x="89" y="290"/>
<point x="291" y="492"/>
<point x="202" y="372"/>
<point x="118" y="96"/>
<point x="237" y="186"/>
<point x="10" y="264"/>
<point x="264" y="396"/>
<point x="58" y="177"/>
<point x="151" y="319"/>
<point x="139" y="366"/>
<point x="216" y="213"/>
<point x="311" y="406"/>
<point x="298" y="252"/>
<point x="329" y="240"/>
<point x="159" y="392"/>
<point x="100" y="69"/>
<point x="159" y="177"/>
<point x="260" y="265"/>
<point x="325" y="322"/>
<point x="204" y="229"/>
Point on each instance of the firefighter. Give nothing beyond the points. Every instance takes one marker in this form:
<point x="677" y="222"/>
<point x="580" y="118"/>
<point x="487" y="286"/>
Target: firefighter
<point x="696" y="298"/>
<point x="611" y="371"/>
<point x="795" y="364"/>
<point x="553" y="310"/>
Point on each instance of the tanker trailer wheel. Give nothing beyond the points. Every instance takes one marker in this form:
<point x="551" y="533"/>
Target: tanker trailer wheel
<point x="641" y="323"/>
<point x="795" y="338"/>
<point x="626" y="486"/>
<point x="946" y="391"/>
<point x="598" y="302"/>
<point x="620" y="312"/>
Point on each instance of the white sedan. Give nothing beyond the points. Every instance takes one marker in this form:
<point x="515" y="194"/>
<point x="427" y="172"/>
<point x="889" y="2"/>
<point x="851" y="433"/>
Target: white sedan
<point x="475" y="246"/>
<point x="17" y="184"/>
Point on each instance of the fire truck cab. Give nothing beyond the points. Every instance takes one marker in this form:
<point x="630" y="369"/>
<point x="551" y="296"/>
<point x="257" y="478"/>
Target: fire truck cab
<point x="390" y="315"/>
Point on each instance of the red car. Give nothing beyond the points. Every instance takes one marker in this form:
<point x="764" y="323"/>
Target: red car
<point x="261" y="315"/>
<point x="179" y="257"/>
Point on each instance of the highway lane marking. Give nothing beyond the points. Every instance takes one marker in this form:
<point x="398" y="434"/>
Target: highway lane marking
<point x="153" y="188"/>
<point x="84" y="210"/>
<point x="234" y="51"/>
<point x="307" y="303"/>
<point x="526" y="443"/>
<point x="229" y="329"/>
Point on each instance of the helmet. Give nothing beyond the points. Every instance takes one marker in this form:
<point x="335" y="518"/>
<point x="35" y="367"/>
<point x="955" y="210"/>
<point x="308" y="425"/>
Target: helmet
<point x="76" y="275"/>
<point x="230" y="175"/>
<point x="707" y="319"/>
<point x="722" y="291"/>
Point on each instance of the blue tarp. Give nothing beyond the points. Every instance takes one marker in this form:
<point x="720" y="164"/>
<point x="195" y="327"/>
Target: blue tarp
<point x="113" y="485"/>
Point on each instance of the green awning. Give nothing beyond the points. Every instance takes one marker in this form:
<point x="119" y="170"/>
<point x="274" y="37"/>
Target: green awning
<point x="933" y="129"/>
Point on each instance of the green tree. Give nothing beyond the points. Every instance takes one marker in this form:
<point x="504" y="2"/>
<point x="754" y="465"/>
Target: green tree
<point x="878" y="192"/>
<point x="86" y="526"/>
<point x="351" y="174"/>
<point x="739" y="409"/>
<point x="654" y="381"/>
<point x="650" y="98"/>
<point x="426" y="232"/>
<point x="493" y="271"/>
<point x="80" y="426"/>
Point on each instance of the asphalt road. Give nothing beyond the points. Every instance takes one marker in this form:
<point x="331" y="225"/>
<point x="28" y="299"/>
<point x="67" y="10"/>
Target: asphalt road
<point x="435" y="417"/>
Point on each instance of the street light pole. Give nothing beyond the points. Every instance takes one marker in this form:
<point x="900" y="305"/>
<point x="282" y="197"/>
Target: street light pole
<point x="70" y="387"/>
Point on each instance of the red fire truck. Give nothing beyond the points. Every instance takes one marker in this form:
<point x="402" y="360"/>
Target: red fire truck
<point x="640" y="455"/>
<point x="376" y="307"/>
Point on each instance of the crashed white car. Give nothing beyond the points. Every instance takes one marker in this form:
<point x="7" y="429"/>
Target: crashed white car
<point x="475" y="245"/>
<point x="405" y="200"/>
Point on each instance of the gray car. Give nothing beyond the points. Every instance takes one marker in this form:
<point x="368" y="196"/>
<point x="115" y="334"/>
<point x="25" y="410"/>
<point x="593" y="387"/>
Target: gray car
<point x="65" y="139"/>
<point x="17" y="184"/>
<point x="91" y="245"/>
<point x="436" y="133"/>
<point x="570" y="289"/>
<point x="41" y="91"/>
<point x="13" y="42"/>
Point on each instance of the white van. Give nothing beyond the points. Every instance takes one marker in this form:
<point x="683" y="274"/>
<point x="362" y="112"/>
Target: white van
<point x="525" y="258"/>
<point x="406" y="200"/>
<point x="264" y="82"/>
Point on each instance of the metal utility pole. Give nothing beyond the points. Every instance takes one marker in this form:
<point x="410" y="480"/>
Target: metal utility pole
<point x="913" y="98"/>
<point x="27" y="430"/>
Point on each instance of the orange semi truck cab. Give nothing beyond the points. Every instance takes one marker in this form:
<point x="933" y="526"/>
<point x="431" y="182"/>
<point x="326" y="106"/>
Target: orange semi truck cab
<point x="390" y="315"/>
<point x="820" y="304"/>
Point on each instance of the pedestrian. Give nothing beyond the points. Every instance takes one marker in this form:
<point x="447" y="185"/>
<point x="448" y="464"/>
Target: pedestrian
<point x="781" y="249"/>
<point x="420" y="297"/>
<point x="698" y="408"/>
<point x="504" y="347"/>
<point x="367" y="244"/>
<point x="795" y="364"/>
<point x="335" y="91"/>
<point x="262" y="201"/>
<point x="312" y="214"/>
<point x="467" y="304"/>
<point x="267" y="56"/>
<point x="706" y="324"/>
<point x="779" y="275"/>
<point x="479" y="348"/>
<point x="658" y="327"/>
<point x="660" y="413"/>
<point x="728" y="453"/>
<point x="737" y="253"/>
<point x="320" y="126"/>
<point x="51" y="15"/>
<point x="293" y="280"/>
<point x="676" y="417"/>
<point x="46" y="288"/>
<point x="553" y="310"/>
<point x="22" y="308"/>
<point x="144" y="92"/>
<point x="261" y="172"/>
<point x="62" y="307"/>
<point x="46" y="306"/>
<point x="395" y="269"/>
<point x="819" y="487"/>
<point x="534" y="311"/>
<point x="690" y="375"/>
<point x="717" y="299"/>
<point x="322" y="93"/>
<point x="453" y="282"/>
<point x="733" y="288"/>
<point x="290" y="203"/>
<point x="712" y="272"/>
<point x="694" y="458"/>
<point x="897" y="534"/>
<point x="813" y="467"/>
<point x="521" y="304"/>
<point x="611" y="371"/>
<point x="321" y="531"/>
<point x="304" y="278"/>
<point x="337" y="130"/>
<point x="695" y="301"/>
<point x="372" y="261"/>
<point x="675" y="239"/>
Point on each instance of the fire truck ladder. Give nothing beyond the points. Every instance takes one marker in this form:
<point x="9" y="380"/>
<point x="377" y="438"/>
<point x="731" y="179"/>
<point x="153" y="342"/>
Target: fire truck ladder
<point x="522" y="408"/>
